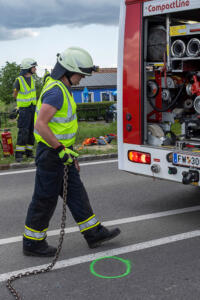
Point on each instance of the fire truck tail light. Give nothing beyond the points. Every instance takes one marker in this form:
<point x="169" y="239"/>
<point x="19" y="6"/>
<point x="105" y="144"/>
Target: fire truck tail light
<point x="139" y="157"/>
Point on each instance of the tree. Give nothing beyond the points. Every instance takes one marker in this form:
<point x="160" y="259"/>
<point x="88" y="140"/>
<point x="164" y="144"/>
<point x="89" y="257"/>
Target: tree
<point x="8" y="74"/>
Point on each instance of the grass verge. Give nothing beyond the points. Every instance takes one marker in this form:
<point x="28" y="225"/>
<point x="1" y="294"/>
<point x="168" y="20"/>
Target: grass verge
<point x="86" y="130"/>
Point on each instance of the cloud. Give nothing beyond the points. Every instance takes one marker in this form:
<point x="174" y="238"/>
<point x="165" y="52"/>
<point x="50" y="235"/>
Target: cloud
<point x="23" y="14"/>
<point x="8" y="34"/>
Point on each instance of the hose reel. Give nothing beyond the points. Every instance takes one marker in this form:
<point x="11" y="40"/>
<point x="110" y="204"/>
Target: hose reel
<point x="193" y="47"/>
<point x="180" y="48"/>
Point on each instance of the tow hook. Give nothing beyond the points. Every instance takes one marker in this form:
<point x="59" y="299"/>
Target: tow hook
<point x="155" y="168"/>
<point x="189" y="177"/>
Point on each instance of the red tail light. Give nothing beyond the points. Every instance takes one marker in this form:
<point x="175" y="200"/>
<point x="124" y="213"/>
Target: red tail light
<point x="139" y="157"/>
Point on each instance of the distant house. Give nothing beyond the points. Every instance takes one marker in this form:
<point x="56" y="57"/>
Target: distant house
<point x="101" y="86"/>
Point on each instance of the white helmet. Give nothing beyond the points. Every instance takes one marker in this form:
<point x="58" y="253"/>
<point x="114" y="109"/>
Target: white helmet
<point x="76" y="60"/>
<point x="28" y="63"/>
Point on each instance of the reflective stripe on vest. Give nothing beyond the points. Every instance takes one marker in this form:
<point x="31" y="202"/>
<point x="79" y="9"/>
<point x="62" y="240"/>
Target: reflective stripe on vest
<point x="27" y="95"/>
<point x="65" y="136"/>
<point x="60" y="136"/>
<point x="63" y="120"/>
<point x="60" y="119"/>
<point x="89" y="223"/>
<point x="27" y="100"/>
<point x="34" y="234"/>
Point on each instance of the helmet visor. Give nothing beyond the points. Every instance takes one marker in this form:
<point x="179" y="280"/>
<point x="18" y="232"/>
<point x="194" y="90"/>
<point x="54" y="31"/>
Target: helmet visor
<point x="34" y="64"/>
<point x="89" y="70"/>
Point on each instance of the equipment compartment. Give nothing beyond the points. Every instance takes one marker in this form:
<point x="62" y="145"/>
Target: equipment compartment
<point x="172" y="80"/>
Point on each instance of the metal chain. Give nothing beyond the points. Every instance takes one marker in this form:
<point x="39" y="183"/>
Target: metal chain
<point x="61" y="238"/>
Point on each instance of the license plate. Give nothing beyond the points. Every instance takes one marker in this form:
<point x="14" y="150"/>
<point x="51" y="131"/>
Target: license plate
<point x="186" y="160"/>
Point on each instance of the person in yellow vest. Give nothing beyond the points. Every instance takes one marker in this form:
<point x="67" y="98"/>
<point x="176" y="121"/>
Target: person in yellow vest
<point x="25" y="94"/>
<point x="46" y="76"/>
<point x="55" y="131"/>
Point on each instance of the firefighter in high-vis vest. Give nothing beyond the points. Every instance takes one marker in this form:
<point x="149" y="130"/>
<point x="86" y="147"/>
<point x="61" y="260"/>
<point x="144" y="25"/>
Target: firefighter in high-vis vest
<point x="46" y="76"/>
<point x="25" y="94"/>
<point x="55" y="131"/>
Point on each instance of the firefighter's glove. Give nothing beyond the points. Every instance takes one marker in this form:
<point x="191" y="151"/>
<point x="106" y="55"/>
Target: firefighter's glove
<point x="66" y="155"/>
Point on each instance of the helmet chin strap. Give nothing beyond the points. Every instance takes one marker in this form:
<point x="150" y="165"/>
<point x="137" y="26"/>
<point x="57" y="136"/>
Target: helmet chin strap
<point x="68" y="78"/>
<point x="29" y="71"/>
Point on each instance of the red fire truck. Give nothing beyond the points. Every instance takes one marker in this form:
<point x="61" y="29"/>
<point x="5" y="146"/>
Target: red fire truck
<point x="159" y="89"/>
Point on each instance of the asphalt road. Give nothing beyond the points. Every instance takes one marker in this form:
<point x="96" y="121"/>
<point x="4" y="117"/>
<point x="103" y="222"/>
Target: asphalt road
<point x="159" y="243"/>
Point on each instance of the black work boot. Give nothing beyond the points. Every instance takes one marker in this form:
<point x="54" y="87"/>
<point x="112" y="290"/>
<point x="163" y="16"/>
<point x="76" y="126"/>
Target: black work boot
<point x="29" y="154"/>
<point x="97" y="235"/>
<point x="19" y="156"/>
<point x="38" y="248"/>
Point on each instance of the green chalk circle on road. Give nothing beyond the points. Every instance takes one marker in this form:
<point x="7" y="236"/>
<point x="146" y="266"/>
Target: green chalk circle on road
<point x="126" y="262"/>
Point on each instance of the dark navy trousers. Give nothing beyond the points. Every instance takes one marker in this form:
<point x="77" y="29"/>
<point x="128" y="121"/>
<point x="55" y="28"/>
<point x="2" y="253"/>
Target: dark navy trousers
<point x="49" y="185"/>
<point x="25" y="126"/>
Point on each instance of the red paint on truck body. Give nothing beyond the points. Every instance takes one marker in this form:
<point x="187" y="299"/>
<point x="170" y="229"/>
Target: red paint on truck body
<point x="132" y="109"/>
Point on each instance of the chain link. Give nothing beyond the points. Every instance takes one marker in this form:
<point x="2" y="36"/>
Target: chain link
<point x="61" y="238"/>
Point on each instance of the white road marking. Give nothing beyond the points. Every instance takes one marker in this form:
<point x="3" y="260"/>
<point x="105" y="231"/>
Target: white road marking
<point x="81" y="164"/>
<point x="112" y="252"/>
<point x="18" y="172"/>
<point x="113" y="222"/>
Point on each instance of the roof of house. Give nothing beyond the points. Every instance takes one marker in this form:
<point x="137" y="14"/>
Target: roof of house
<point x="107" y="70"/>
<point x="98" y="80"/>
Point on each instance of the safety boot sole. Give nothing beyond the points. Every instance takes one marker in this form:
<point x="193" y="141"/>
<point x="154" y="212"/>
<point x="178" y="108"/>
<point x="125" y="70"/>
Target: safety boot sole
<point x="30" y="253"/>
<point x="99" y="243"/>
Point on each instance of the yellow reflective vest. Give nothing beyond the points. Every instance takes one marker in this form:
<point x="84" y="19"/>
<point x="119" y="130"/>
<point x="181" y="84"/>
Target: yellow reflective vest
<point x="26" y="95"/>
<point x="64" y="123"/>
<point x="46" y="77"/>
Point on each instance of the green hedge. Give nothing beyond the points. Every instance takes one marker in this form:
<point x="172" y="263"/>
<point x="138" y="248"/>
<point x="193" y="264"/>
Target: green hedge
<point x="4" y="118"/>
<point x="94" y="111"/>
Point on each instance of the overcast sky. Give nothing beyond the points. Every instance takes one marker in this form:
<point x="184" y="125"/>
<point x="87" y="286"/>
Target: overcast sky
<point x="42" y="28"/>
